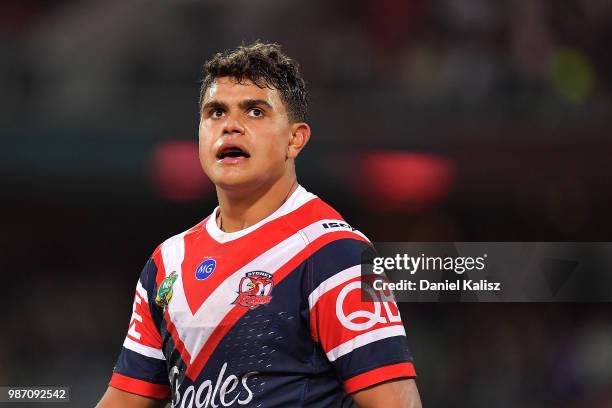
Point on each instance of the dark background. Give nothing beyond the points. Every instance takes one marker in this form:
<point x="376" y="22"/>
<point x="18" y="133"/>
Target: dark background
<point x="441" y="120"/>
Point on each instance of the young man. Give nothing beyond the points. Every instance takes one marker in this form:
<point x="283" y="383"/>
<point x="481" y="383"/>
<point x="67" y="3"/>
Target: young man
<point x="260" y="303"/>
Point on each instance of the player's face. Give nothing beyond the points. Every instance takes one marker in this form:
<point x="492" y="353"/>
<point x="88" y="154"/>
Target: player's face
<point x="245" y="135"/>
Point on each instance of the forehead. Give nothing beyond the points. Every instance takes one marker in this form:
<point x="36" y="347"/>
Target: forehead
<point x="229" y="90"/>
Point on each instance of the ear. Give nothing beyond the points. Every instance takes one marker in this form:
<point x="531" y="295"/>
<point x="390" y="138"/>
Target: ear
<point x="300" y="135"/>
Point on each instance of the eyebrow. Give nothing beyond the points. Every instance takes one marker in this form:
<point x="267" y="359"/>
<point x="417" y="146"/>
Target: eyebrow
<point x="214" y="105"/>
<point x="247" y="103"/>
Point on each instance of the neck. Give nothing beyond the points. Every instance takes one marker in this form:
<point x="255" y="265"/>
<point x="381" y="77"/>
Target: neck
<point x="238" y="211"/>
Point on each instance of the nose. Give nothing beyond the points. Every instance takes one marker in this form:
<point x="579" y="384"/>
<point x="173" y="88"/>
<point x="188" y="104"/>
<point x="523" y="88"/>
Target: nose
<point x="232" y="125"/>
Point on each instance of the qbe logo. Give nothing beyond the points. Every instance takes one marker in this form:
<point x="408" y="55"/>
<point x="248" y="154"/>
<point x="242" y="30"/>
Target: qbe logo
<point x="359" y="319"/>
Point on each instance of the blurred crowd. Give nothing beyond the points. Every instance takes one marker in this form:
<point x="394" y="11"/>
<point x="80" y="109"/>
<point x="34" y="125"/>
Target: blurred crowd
<point x="111" y="65"/>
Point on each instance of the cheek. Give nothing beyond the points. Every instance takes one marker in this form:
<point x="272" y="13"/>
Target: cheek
<point x="204" y="141"/>
<point x="205" y="149"/>
<point x="275" y="153"/>
<point x="276" y="145"/>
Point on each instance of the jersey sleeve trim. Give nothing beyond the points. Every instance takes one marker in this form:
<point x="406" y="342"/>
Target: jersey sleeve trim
<point x="332" y="282"/>
<point x="378" y="375"/>
<point x="332" y="226"/>
<point x="140" y="387"/>
<point x="142" y="349"/>
<point x="142" y="292"/>
<point x="364" y="339"/>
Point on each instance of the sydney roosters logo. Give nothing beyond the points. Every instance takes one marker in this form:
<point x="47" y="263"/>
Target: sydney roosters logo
<point x="254" y="290"/>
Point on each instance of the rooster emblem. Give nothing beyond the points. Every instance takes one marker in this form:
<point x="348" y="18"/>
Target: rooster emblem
<point x="254" y="289"/>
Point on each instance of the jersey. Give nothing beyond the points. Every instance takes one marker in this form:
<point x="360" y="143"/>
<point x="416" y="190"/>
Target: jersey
<point x="269" y="316"/>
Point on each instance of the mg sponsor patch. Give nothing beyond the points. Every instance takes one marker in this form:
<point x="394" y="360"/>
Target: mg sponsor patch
<point x="205" y="269"/>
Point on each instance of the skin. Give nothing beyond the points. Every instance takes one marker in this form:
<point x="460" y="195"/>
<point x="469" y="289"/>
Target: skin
<point x="251" y="189"/>
<point x="257" y="119"/>
<point x="114" y="398"/>
<point x="401" y="393"/>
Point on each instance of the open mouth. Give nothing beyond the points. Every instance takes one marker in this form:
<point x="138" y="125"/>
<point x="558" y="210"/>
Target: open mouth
<point x="232" y="152"/>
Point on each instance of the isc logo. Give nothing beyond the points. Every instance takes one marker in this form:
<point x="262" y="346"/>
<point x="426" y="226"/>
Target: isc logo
<point x="328" y="225"/>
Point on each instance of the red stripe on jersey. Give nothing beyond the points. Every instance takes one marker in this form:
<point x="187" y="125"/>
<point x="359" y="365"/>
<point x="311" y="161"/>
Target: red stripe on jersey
<point x="161" y="270"/>
<point x="178" y="343"/>
<point x="142" y="329"/>
<point x="233" y="255"/>
<point x="159" y="260"/>
<point x="238" y="311"/>
<point x="378" y="375"/>
<point x="140" y="387"/>
<point x="327" y="328"/>
<point x="161" y="274"/>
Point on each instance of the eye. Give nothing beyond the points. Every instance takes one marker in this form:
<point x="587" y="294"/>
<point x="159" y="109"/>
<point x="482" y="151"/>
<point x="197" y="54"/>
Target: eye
<point x="255" y="112"/>
<point x="216" y="113"/>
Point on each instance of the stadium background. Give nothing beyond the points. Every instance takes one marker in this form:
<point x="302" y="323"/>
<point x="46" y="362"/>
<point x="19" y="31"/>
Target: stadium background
<point x="441" y="120"/>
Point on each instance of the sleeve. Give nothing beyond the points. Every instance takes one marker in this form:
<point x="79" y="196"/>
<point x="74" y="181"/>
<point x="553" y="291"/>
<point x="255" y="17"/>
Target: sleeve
<point x="141" y="367"/>
<point x="359" y="329"/>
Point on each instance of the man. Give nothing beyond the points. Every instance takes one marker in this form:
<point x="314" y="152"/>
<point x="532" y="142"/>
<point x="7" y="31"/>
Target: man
<point x="260" y="303"/>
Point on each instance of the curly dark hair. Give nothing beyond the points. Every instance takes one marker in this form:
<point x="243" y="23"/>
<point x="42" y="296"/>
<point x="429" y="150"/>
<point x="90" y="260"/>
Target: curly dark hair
<point x="265" y="65"/>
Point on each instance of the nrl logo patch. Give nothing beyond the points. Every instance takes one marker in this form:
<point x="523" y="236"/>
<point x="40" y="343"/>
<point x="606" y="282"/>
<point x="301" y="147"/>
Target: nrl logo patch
<point x="254" y="289"/>
<point x="164" y="293"/>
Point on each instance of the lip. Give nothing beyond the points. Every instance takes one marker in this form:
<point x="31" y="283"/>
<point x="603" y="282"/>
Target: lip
<point x="231" y="160"/>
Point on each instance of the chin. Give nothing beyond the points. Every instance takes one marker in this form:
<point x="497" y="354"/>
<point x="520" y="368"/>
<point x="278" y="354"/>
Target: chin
<point x="241" y="178"/>
<point x="227" y="178"/>
<point x="233" y="182"/>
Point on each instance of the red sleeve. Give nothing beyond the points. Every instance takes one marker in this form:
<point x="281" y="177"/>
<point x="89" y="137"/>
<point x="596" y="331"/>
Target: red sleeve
<point x="360" y="330"/>
<point x="139" y="387"/>
<point x="141" y="367"/>
<point x="378" y="375"/>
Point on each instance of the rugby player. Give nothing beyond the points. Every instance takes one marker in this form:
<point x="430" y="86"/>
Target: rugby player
<point x="260" y="304"/>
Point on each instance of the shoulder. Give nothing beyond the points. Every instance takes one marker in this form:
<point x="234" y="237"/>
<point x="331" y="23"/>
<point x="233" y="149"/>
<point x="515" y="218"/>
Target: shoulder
<point x="172" y="249"/>
<point x="327" y="224"/>
<point x="334" y="244"/>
